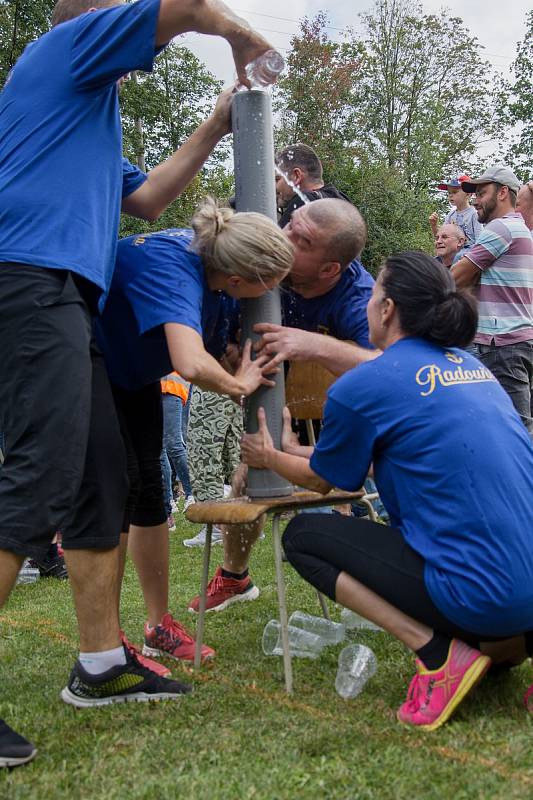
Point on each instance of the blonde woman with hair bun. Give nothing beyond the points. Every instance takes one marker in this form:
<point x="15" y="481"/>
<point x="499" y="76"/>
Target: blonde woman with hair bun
<point x="173" y="299"/>
<point x="173" y="306"/>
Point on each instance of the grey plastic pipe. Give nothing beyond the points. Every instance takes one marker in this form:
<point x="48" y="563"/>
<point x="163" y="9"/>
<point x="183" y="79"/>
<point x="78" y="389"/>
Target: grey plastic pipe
<point x="253" y="150"/>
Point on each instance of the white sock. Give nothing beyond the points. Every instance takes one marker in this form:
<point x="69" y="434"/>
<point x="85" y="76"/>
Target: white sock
<point x="96" y="663"/>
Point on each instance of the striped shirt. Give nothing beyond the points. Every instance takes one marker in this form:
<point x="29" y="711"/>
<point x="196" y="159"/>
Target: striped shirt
<point x="504" y="254"/>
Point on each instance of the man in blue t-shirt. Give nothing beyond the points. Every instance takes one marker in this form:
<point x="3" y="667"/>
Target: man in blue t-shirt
<point x="62" y="180"/>
<point x="326" y="296"/>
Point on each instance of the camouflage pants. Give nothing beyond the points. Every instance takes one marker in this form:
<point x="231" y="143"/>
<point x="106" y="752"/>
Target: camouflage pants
<point x="213" y="443"/>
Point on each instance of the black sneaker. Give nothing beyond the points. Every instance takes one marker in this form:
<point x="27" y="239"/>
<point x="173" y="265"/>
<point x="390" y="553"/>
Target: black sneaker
<point x="52" y="567"/>
<point x="14" y="749"/>
<point x="129" y="682"/>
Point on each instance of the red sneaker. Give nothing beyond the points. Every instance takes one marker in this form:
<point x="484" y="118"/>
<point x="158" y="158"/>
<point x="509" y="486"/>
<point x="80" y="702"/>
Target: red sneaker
<point x="222" y="592"/>
<point x="159" y="669"/>
<point x="434" y="694"/>
<point x="169" y="638"/>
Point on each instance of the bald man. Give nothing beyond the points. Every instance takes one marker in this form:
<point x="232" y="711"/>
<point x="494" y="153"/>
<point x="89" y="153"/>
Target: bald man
<point x="327" y="293"/>
<point x="449" y="244"/>
<point x="328" y="287"/>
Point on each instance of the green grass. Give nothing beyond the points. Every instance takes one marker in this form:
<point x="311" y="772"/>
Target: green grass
<point x="239" y="735"/>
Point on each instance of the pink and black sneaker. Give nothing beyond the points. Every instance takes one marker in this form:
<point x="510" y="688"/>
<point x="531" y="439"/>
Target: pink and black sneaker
<point x="170" y="638"/>
<point x="433" y="695"/>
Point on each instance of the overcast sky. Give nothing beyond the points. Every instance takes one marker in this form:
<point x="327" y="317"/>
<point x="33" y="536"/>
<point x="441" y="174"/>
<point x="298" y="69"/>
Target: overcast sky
<point x="497" y="25"/>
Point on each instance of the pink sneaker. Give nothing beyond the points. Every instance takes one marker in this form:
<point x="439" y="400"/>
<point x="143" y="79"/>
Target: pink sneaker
<point x="433" y="695"/>
<point x="170" y="638"/>
<point x="148" y="663"/>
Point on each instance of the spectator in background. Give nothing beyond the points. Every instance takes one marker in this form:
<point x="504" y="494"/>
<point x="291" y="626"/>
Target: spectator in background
<point x="302" y="167"/>
<point x="500" y="269"/>
<point x="462" y="213"/>
<point x="449" y="244"/>
<point x="524" y="203"/>
<point x="174" y="396"/>
<point x="214" y="449"/>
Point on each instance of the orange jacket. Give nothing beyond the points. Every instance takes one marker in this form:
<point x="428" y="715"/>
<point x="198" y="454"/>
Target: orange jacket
<point x="174" y="384"/>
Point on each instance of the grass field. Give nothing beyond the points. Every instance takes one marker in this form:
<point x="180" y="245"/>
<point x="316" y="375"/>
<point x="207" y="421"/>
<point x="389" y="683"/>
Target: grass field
<point x="239" y="735"/>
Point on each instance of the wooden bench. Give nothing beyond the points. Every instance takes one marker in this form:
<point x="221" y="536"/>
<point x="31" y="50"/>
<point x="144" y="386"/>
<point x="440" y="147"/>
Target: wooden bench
<point x="243" y="510"/>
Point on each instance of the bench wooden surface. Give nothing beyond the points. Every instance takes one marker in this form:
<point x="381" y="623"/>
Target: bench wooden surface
<point x="242" y="510"/>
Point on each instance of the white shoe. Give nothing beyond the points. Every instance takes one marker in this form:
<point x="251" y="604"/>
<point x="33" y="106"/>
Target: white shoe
<point x="199" y="539"/>
<point x="174" y="506"/>
<point x="189" y="501"/>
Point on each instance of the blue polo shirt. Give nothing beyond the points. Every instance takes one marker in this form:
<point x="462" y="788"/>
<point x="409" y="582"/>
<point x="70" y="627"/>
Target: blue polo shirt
<point x="341" y="312"/>
<point x="132" y="178"/>
<point x="61" y="144"/>
<point x="158" y="279"/>
<point x="453" y="465"/>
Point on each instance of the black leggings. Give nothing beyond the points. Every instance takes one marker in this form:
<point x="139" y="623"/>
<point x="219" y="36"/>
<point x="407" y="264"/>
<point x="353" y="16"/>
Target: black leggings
<point x="321" y="546"/>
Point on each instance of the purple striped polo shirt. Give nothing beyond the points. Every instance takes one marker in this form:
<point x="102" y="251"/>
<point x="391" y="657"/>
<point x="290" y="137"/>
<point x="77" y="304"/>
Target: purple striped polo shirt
<point x="504" y="254"/>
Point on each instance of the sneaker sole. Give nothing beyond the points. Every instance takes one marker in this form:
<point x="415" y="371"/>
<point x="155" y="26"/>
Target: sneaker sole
<point x="251" y="594"/>
<point x="141" y="697"/>
<point x="471" y="677"/>
<point x="192" y="543"/>
<point x="5" y="761"/>
<point x="152" y="652"/>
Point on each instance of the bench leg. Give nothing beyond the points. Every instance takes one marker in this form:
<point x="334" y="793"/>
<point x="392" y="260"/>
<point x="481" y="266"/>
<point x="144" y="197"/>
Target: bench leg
<point x="203" y="598"/>
<point x="323" y="604"/>
<point x="287" y="666"/>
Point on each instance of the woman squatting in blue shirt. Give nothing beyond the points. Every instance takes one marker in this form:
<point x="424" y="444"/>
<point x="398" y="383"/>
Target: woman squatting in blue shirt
<point x="452" y="577"/>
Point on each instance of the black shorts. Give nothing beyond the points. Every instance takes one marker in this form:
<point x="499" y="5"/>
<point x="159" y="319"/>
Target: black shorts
<point x="65" y="465"/>
<point x="140" y="414"/>
<point x="321" y="546"/>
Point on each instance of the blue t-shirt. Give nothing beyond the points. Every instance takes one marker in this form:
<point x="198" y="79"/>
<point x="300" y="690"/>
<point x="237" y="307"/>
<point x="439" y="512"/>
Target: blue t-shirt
<point x="158" y="279"/>
<point x="453" y="465"/>
<point x="61" y="142"/>
<point x="341" y="312"/>
<point x="132" y="178"/>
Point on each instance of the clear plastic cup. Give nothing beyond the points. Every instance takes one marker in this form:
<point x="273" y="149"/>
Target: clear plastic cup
<point x="302" y="644"/>
<point x="357" y="664"/>
<point x="28" y="574"/>
<point x="353" y="621"/>
<point x="330" y="632"/>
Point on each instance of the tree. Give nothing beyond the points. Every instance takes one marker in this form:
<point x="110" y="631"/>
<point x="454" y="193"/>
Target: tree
<point x="427" y="99"/>
<point x="21" y="21"/>
<point x="519" y="106"/>
<point x="159" y="111"/>
<point x="316" y="98"/>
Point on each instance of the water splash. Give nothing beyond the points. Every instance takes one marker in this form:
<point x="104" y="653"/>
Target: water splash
<point x="293" y="186"/>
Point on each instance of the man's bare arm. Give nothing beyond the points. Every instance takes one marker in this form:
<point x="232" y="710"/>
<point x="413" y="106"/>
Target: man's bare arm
<point x="465" y="274"/>
<point x="168" y="180"/>
<point x="292" y="344"/>
<point x="214" y="18"/>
